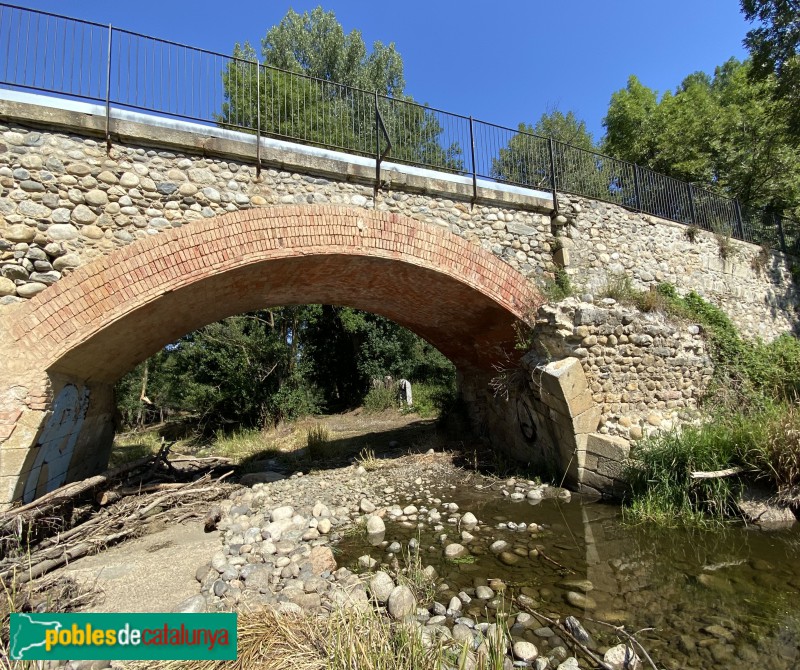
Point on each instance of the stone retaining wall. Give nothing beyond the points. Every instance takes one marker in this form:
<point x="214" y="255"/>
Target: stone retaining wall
<point x="600" y="376"/>
<point x="753" y="286"/>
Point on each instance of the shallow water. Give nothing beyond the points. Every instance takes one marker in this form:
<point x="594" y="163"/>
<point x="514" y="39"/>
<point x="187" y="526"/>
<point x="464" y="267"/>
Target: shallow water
<point x="714" y="599"/>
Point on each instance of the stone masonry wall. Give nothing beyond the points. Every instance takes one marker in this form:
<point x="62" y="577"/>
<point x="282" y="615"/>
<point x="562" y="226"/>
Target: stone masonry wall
<point x="753" y="286"/>
<point x="599" y="377"/>
<point x="63" y="202"/>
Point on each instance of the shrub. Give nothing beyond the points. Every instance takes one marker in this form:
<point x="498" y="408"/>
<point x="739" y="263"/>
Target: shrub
<point x="559" y="287"/>
<point x="317" y="438"/>
<point x="380" y="398"/>
<point x="662" y="488"/>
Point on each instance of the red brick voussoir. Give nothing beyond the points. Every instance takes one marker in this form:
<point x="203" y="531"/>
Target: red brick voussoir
<point x="106" y="316"/>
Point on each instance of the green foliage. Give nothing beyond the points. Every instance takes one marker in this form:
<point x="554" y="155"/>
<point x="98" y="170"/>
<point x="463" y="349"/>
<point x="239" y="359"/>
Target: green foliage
<point x="432" y="399"/>
<point x="662" y="489"/>
<point x="526" y="159"/>
<point x="755" y="426"/>
<point x="559" y="287"/>
<point x="381" y="398"/>
<point x="333" y="104"/>
<point x="277" y="365"/>
<point x="727" y="132"/>
<point x="775" y="49"/>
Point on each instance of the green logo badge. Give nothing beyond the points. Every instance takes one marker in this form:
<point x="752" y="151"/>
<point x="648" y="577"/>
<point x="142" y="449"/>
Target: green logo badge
<point x="134" y="636"/>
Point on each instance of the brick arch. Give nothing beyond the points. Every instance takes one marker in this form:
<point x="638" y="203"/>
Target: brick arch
<point x="105" y="317"/>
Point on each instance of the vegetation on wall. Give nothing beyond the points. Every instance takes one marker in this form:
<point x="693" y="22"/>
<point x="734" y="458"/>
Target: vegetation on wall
<point x="753" y="430"/>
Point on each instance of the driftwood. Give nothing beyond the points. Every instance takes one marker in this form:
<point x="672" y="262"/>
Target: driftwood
<point x="619" y="630"/>
<point x="70" y="492"/>
<point x="715" y="474"/>
<point x="555" y="623"/>
<point x="33" y="550"/>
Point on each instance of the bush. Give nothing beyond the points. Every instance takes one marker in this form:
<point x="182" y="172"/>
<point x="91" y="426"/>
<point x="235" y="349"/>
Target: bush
<point x="661" y="486"/>
<point x="381" y="398"/>
<point x="317" y="438"/>
<point x="431" y="399"/>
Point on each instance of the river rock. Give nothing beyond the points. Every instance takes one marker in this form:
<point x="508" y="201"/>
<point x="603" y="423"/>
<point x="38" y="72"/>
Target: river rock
<point x="281" y="513"/>
<point x="525" y="651"/>
<point x="366" y="506"/>
<point x="622" y="657"/>
<point x="375" y="525"/>
<point x="381" y="586"/>
<point x="576" y="629"/>
<point x="498" y="547"/>
<point x="19" y="233"/>
<point x="30" y="289"/>
<point x="469" y="521"/>
<point x="7" y="287"/>
<point x="401" y="602"/>
<point x="581" y="600"/>
<point x="455" y="551"/>
<point x="321" y="560"/>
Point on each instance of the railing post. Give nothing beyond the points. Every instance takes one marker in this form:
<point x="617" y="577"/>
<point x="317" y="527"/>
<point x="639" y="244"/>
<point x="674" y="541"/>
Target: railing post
<point x="692" y="214"/>
<point x="553" y="173"/>
<point x="636" y="191"/>
<point x="377" y="145"/>
<point x="781" y="235"/>
<point x="474" y="169"/>
<point x="739" y="224"/>
<point x="258" y="120"/>
<point x="108" y="91"/>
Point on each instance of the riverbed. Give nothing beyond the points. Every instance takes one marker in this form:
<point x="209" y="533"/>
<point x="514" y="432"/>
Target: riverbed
<point x="708" y="599"/>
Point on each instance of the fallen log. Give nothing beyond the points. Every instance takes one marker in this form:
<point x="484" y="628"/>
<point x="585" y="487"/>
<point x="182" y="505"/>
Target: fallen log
<point x="715" y="474"/>
<point x="70" y="491"/>
<point x="112" y="495"/>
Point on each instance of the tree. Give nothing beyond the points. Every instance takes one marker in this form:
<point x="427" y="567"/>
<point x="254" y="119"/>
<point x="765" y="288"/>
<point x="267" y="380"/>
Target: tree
<point x="525" y="159"/>
<point x="319" y="87"/>
<point x="260" y="368"/>
<point x="775" y="50"/>
<point x="727" y="133"/>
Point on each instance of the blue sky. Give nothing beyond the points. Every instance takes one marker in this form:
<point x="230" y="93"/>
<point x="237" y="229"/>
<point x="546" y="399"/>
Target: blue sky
<point x="504" y="62"/>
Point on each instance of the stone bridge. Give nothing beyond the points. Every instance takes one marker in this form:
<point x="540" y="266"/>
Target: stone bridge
<point x="109" y="253"/>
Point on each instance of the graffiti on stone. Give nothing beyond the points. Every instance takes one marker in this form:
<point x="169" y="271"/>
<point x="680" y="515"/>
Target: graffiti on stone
<point x="57" y="442"/>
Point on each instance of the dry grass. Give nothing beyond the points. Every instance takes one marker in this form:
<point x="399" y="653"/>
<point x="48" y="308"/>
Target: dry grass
<point x="345" y="640"/>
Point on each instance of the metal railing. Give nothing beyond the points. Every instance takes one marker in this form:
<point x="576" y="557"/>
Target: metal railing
<point x="90" y="61"/>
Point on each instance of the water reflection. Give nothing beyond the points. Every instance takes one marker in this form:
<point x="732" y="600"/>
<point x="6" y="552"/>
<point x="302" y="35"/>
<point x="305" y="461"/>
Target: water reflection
<point x="714" y="598"/>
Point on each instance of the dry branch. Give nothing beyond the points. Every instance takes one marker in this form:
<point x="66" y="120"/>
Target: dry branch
<point x="715" y="474"/>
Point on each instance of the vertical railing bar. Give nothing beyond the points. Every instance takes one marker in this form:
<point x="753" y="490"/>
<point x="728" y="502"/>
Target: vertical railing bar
<point x="474" y="169"/>
<point x="27" y="38"/>
<point x="108" y="91"/>
<point x="553" y="174"/>
<point x="258" y="120"/>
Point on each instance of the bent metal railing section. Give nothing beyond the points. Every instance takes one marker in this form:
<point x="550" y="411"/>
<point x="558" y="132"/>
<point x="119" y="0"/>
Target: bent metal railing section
<point x="91" y="61"/>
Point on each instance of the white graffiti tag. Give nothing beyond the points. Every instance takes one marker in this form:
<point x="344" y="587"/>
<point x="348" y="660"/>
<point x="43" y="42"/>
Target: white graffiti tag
<point x="57" y="442"/>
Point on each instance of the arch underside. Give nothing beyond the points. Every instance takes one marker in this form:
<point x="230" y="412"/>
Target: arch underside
<point x="468" y="327"/>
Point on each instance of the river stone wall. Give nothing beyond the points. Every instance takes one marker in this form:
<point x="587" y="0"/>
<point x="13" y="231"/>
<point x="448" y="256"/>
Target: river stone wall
<point x="754" y="286"/>
<point x="63" y="202"/>
<point x="599" y="378"/>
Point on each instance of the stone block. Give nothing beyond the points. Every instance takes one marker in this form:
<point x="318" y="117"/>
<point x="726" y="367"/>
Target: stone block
<point x="586" y="422"/>
<point x="596" y="481"/>
<point x="608" y="446"/>
<point x="564" y="378"/>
